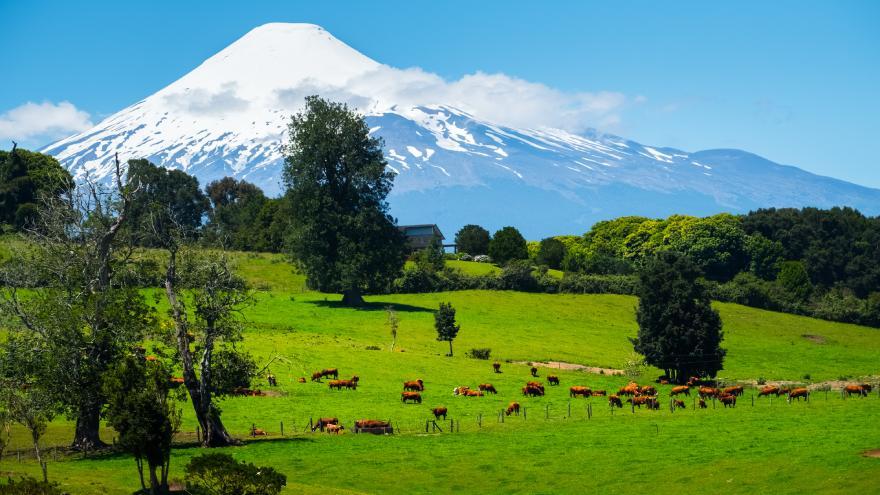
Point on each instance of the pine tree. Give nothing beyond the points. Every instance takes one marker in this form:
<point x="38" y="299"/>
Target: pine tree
<point x="444" y="322"/>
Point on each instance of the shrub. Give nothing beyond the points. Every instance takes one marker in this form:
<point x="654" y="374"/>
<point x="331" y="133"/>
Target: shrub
<point x="551" y="251"/>
<point x="30" y="486"/>
<point x="479" y="353"/>
<point x="762" y="380"/>
<point x="808" y="377"/>
<point x="483" y="258"/>
<point x="598" y="284"/>
<point x="220" y="474"/>
<point x="373" y="348"/>
<point x="517" y="275"/>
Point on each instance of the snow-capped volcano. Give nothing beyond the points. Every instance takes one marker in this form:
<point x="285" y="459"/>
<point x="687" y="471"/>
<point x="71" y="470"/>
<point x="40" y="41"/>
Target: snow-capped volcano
<point x="228" y="117"/>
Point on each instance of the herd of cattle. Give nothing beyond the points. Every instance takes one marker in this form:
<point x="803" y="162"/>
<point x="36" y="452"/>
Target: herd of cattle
<point x="636" y="395"/>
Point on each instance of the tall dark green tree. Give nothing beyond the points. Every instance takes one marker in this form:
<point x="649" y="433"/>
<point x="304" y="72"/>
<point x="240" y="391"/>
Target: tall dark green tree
<point x="472" y="239"/>
<point x="142" y="410"/>
<point x="26" y="178"/>
<point x="444" y="323"/>
<point x="508" y="244"/>
<point x="551" y="253"/>
<point x="342" y="236"/>
<point x="243" y="218"/>
<point x="679" y="332"/>
<point x="163" y="200"/>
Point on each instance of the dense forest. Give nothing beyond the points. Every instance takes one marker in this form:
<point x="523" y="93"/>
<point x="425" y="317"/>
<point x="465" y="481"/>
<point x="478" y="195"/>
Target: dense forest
<point x="823" y="263"/>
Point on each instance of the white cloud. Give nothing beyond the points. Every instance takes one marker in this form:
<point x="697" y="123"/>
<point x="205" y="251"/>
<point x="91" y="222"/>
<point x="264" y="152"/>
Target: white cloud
<point x="498" y="98"/>
<point x="45" y="120"/>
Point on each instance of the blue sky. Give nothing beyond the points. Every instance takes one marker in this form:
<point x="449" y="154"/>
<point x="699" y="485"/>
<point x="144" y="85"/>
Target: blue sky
<point x="795" y="81"/>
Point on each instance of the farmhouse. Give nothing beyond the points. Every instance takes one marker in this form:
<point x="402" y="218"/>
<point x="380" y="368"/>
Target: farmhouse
<point x="420" y="236"/>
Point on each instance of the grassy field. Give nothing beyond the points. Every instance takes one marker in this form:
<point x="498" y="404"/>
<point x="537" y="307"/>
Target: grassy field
<point x="771" y="447"/>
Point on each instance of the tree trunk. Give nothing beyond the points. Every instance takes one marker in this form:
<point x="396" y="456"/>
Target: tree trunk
<point x="140" y="465"/>
<point x="215" y="433"/>
<point x="36" y="438"/>
<point x="353" y="297"/>
<point x="88" y="426"/>
<point x="450" y="349"/>
<point x="156" y="487"/>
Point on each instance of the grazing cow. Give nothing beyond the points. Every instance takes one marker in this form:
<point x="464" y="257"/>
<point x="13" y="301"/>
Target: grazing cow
<point x="473" y="393"/>
<point x="330" y="372"/>
<point x="513" y="407"/>
<point x="684" y="389"/>
<point x="532" y="391"/>
<point x="799" y="392"/>
<point x="340" y="384"/>
<point x="614" y="400"/>
<point x="678" y="403"/>
<point x="334" y="429"/>
<point x="769" y="390"/>
<point x="728" y="400"/>
<point x="702" y="404"/>
<point x="371" y="423"/>
<point x="632" y="388"/>
<point x="708" y="392"/>
<point x="415" y="385"/>
<point x="553" y="379"/>
<point x="577" y="390"/>
<point x="534" y="371"/>
<point x="736" y="390"/>
<point x="324" y="422"/>
<point x="855" y="389"/>
<point x="652" y="403"/>
<point x="598" y="393"/>
<point x="439" y="411"/>
<point x="648" y="390"/>
<point x="488" y="388"/>
<point x="496" y="366"/>
<point x="316" y="376"/>
<point x="411" y="396"/>
<point x="637" y="401"/>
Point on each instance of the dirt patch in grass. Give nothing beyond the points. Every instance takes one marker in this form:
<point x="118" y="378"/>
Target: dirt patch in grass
<point x="872" y="453"/>
<point x="560" y="365"/>
<point x="816" y="339"/>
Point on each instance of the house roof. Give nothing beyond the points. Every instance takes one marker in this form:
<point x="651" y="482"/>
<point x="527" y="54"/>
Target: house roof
<point x="424" y="229"/>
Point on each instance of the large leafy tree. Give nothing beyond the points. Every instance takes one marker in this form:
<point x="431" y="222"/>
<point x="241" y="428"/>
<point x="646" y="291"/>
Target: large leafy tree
<point x="26" y="178"/>
<point x="507" y="245"/>
<point x="472" y="239"/>
<point x="679" y="331"/>
<point x="81" y="316"/>
<point x="444" y="323"/>
<point x="551" y="252"/>
<point x="342" y="236"/>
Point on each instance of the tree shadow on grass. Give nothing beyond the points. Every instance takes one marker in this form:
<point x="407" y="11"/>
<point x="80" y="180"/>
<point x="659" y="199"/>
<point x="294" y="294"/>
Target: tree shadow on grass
<point x="375" y="306"/>
<point x="117" y="453"/>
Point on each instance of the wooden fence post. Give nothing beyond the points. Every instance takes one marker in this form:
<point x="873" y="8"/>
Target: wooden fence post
<point x="282" y="428"/>
<point x="569" y="409"/>
<point x="547" y="412"/>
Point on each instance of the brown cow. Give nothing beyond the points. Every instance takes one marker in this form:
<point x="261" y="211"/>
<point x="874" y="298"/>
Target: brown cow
<point x="798" y="393"/>
<point x="652" y="403"/>
<point x="334" y="429"/>
<point x="534" y="371"/>
<point x="708" y="392"/>
<point x="473" y="393"/>
<point x="256" y="432"/>
<point x="371" y="423"/>
<point x="577" y="390"/>
<point x="532" y="391"/>
<point x="411" y="396"/>
<point x="637" y="401"/>
<point x="855" y="390"/>
<point x="460" y="390"/>
<point x="614" y="400"/>
<point x="439" y="411"/>
<point x="678" y="403"/>
<point x="736" y="390"/>
<point x="496" y="366"/>
<point x="488" y="388"/>
<point x="867" y="387"/>
<point x="414" y="385"/>
<point x="301" y="379"/>
<point x="702" y="404"/>
<point x="648" y="390"/>
<point x="684" y="389"/>
<point x="316" y="376"/>
<point x="769" y="390"/>
<point x="340" y="384"/>
<point x="598" y="393"/>
<point x="330" y="372"/>
<point x="728" y="400"/>
<point x="513" y="407"/>
<point x="553" y="379"/>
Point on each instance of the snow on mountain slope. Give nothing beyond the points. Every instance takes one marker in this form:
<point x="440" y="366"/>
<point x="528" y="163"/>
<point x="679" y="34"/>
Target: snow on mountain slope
<point x="228" y="117"/>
